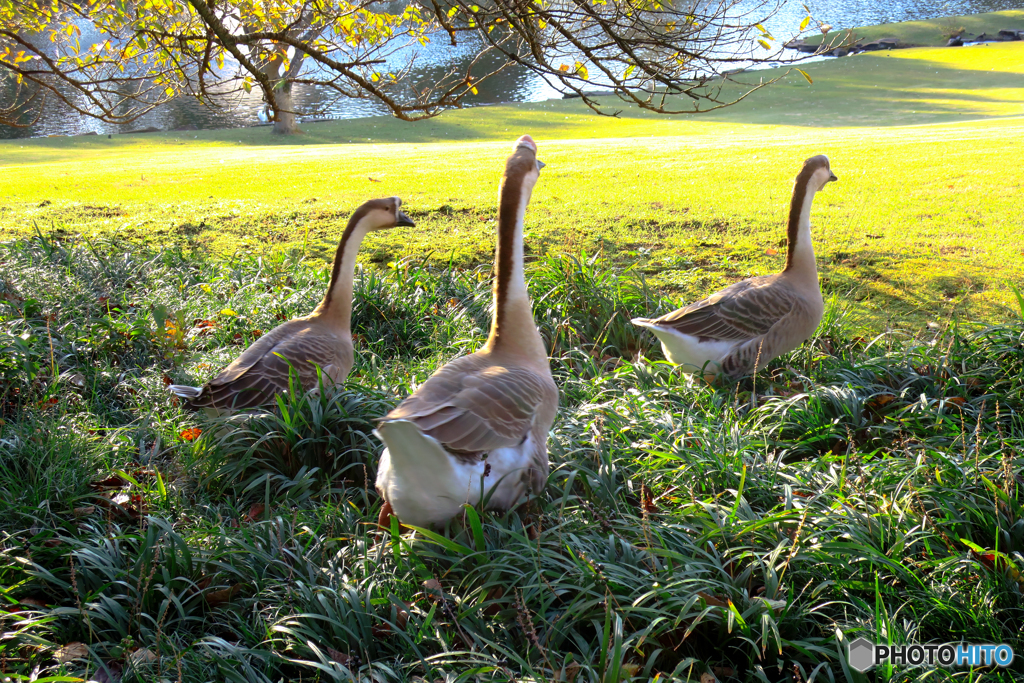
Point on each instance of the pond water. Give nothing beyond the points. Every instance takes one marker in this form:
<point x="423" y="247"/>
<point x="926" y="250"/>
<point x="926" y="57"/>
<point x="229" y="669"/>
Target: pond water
<point x="513" y="85"/>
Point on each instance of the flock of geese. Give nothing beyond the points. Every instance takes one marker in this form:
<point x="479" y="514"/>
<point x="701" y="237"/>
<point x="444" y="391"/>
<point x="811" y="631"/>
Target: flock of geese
<point x="477" y="429"/>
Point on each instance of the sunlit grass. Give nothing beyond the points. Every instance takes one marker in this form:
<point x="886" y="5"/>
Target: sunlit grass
<point x="857" y="486"/>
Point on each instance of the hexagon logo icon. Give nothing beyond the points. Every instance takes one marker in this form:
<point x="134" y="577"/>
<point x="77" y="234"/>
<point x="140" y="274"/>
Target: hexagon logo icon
<point x="861" y="654"/>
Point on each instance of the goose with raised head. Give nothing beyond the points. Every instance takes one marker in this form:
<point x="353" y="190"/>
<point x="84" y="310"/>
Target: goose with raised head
<point x="322" y="338"/>
<point x="478" y="427"/>
<point x="755" y="320"/>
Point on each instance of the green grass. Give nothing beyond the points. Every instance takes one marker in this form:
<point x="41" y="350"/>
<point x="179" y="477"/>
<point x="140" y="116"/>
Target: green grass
<point x="933" y="32"/>
<point x="865" y="484"/>
<point x="922" y="224"/>
<point x="854" y="487"/>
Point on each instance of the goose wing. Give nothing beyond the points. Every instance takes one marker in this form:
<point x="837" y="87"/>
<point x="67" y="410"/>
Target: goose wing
<point x="473" y="407"/>
<point x="743" y="311"/>
<point x="262" y="371"/>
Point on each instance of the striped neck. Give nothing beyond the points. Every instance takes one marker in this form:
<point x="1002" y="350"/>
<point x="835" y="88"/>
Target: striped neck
<point x="512" y="327"/>
<point x="800" y="255"/>
<point x="337" y="303"/>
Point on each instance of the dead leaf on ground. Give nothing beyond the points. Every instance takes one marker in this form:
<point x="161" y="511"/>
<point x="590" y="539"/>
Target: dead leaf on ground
<point x="215" y="598"/>
<point x="143" y="656"/>
<point x="712" y="600"/>
<point x="71" y="651"/>
<point x="956" y="400"/>
<point x="708" y="678"/>
<point x="33" y="602"/>
<point x="432" y="589"/>
<point x="723" y="671"/>
<point x="771" y="252"/>
<point x="255" y="512"/>
<point x="339" y="657"/>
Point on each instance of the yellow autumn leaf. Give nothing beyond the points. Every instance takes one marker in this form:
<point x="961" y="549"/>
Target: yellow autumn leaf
<point x="227" y="311"/>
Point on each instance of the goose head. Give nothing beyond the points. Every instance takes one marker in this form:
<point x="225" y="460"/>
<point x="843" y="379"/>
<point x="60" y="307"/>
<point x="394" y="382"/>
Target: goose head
<point x="816" y="173"/>
<point x="383" y="214"/>
<point x="524" y="166"/>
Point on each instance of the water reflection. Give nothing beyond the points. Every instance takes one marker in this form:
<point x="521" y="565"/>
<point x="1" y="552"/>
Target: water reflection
<point x="434" y="60"/>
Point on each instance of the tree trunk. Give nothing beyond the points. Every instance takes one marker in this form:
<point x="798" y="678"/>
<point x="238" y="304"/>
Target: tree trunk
<point x="284" y="115"/>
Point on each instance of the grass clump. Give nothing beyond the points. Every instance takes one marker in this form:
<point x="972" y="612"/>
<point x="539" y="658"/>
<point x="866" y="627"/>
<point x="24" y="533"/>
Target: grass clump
<point x="855" y="487"/>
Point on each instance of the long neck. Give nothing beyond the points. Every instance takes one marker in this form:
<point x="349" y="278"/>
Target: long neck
<point x="800" y="257"/>
<point x="512" y="328"/>
<point x="337" y="303"/>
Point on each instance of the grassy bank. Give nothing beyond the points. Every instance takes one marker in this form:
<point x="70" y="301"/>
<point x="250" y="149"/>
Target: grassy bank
<point x="921" y="226"/>
<point x="856" y="488"/>
<point x="932" y="32"/>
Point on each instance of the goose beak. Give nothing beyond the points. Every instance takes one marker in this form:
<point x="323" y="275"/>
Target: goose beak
<point x="832" y="176"/>
<point x="404" y="221"/>
<point x="540" y="164"/>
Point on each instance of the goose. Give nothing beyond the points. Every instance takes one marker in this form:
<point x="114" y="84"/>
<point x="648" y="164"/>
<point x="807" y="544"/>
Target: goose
<point x="323" y="337"/>
<point x="755" y="320"/>
<point x="480" y="424"/>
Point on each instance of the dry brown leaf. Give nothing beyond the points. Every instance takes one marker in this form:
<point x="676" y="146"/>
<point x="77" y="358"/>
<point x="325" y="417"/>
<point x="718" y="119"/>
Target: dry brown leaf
<point x="712" y="600"/>
<point x="956" y="400"/>
<point x="215" y="598"/>
<point x="143" y="656"/>
<point x="84" y="511"/>
<point x="723" y="671"/>
<point x="71" y="651"/>
<point x="254" y="512"/>
<point x="432" y="588"/>
<point x="708" y="678"/>
<point x="771" y="252"/>
<point x="33" y="602"/>
<point x="339" y="657"/>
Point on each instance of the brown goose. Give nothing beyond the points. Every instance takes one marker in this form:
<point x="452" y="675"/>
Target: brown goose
<point x="479" y="426"/>
<point x="757" y="319"/>
<point x="322" y="338"/>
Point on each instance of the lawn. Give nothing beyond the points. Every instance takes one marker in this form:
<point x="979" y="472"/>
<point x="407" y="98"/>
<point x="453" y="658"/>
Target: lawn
<point x="921" y="226"/>
<point x="866" y="484"/>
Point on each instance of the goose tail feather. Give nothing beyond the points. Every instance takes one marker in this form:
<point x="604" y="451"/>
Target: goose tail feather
<point x="186" y="392"/>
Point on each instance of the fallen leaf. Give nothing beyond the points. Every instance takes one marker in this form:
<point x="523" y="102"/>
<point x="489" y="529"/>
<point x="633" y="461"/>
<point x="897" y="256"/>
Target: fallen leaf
<point x="215" y="598"/>
<point x="254" y="512"/>
<point x="956" y="400"/>
<point x="111" y="482"/>
<point x="713" y="600"/>
<point x="33" y="602"/>
<point x="879" y="401"/>
<point x="166" y="380"/>
<point x="771" y="252"/>
<point x="708" y="678"/>
<point x="339" y="657"/>
<point x="71" y="651"/>
<point x="84" y="511"/>
<point x="875" y="237"/>
<point x="432" y="587"/>
<point x="143" y="656"/>
<point x="723" y="671"/>
<point x="191" y="434"/>
<point x="647" y="502"/>
<point x="374" y="180"/>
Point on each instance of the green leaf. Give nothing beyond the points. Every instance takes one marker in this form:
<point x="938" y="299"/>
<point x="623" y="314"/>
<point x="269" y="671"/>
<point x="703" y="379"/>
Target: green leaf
<point x="247" y="86"/>
<point x="442" y="541"/>
<point x="804" y="74"/>
<point x="478" y="530"/>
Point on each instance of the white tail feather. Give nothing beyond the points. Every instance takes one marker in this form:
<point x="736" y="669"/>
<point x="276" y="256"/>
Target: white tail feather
<point x="186" y="392"/>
